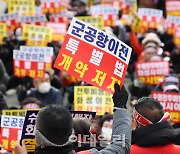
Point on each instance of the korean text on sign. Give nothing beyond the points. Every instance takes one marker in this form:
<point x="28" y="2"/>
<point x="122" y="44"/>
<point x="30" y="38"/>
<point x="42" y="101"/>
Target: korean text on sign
<point x="32" y="61"/>
<point x="11" y="130"/>
<point x="93" y="56"/>
<point x="28" y="133"/>
<point x="89" y="98"/>
<point x="170" y="103"/>
<point x="151" y="72"/>
<point x="37" y="35"/>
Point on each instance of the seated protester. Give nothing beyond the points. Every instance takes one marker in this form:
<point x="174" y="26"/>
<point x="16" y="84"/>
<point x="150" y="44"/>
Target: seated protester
<point x="152" y="133"/>
<point x="170" y="83"/>
<point x="85" y="139"/>
<point x="54" y="127"/>
<point x="31" y="103"/>
<point x="106" y="129"/>
<point x="43" y="91"/>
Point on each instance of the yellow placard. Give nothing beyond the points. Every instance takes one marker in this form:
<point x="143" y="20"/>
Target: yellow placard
<point x="25" y="7"/>
<point x="36" y="35"/>
<point x="135" y="21"/>
<point x="21" y="113"/>
<point x="89" y="98"/>
<point x="95" y="21"/>
<point x="3" y="31"/>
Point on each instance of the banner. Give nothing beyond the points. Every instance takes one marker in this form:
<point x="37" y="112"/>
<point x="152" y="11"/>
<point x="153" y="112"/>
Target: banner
<point x="3" y="32"/>
<point x="171" y="23"/>
<point x="88" y="98"/>
<point x="11" y="129"/>
<point x="151" y="72"/>
<point x="32" y="61"/>
<point x="86" y="52"/>
<point x="10" y="19"/>
<point x="170" y="103"/>
<point x="32" y="19"/>
<point x="173" y="8"/>
<point x="23" y="7"/>
<point x="58" y="30"/>
<point x="36" y="35"/>
<point x="97" y="22"/>
<point x="150" y="18"/>
<point x="109" y="14"/>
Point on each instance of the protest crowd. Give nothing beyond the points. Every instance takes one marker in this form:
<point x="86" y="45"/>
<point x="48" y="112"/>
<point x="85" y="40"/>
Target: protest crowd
<point x="90" y="77"/>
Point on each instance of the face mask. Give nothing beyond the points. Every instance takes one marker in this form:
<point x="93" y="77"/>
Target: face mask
<point x="44" y="87"/>
<point x="107" y="133"/>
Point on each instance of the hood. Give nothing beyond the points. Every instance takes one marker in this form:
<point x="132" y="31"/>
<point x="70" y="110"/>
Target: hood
<point x="156" y="134"/>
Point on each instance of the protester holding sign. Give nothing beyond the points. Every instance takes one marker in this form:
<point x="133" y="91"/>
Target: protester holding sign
<point x="54" y="128"/>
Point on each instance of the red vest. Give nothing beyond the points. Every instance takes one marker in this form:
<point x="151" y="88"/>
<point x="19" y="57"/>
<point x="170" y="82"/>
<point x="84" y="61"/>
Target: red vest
<point x="167" y="149"/>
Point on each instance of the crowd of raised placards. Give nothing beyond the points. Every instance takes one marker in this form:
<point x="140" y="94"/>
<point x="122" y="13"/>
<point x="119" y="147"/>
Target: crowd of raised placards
<point x="63" y="67"/>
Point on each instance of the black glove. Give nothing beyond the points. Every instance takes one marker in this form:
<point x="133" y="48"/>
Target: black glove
<point x="128" y="28"/>
<point x="120" y="96"/>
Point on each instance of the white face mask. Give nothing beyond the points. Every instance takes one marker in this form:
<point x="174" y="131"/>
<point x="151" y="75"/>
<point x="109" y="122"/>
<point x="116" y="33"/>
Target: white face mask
<point x="44" y="87"/>
<point x="107" y="133"/>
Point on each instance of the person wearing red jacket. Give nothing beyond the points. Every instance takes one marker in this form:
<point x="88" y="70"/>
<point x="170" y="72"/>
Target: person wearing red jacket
<point x="152" y="133"/>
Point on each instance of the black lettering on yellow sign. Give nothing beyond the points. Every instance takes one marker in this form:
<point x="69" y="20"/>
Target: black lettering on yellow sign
<point x="153" y="80"/>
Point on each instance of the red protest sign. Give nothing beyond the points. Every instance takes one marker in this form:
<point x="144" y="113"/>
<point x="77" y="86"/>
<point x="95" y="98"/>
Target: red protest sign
<point x="151" y="72"/>
<point x="170" y="103"/>
<point x="173" y="7"/>
<point x="109" y="14"/>
<point x="59" y="30"/>
<point x="93" y="56"/>
<point x="32" y="61"/>
<point x="11" y="129"/>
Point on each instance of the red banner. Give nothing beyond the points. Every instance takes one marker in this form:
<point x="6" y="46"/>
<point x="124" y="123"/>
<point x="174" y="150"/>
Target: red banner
<point x="93" y="56"/>
<point x="151" y="72"/>
<point x="170" y="103"/>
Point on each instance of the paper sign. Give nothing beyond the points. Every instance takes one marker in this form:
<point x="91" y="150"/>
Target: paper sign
<point x="126" y="6"/>
<point x="11" y="129"/>
<point x="151" y="72"/>
<point x="21" y="113"/>
<point x="170" y="103"/>
<point x="150" y="18"/>
<point x="83" y="114"/>
<point x="171" y="24"/>
<point x="28" y="133"/>
<point x="10" y="19"/>
<point x="89" y="98"/>
<point x="3" y="31"/>
<point x="25" y="7"/>
<point x="32" y="19"/>
<point x="36" y="35"/>
<point x="109" y="14"/>
<point x="93" y="56"/>
<point x="135" y="21"/>
<point x="95" y="21"/>
<point x="32" y="61"/>
<point x="173" y="8"/>
<point x="58" y="30"/>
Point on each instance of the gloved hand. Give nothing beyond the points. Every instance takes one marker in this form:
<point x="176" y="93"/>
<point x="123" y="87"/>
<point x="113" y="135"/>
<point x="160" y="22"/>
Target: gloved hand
<point x="128" y="28"/>
<point x="120" y="96"/>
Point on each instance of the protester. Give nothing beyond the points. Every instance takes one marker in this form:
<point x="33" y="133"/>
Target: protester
<point x="43" y="91"/>
<point x="31" y="103"/>
<point x="54" y="128"/>
<point x="152" y="133"/>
